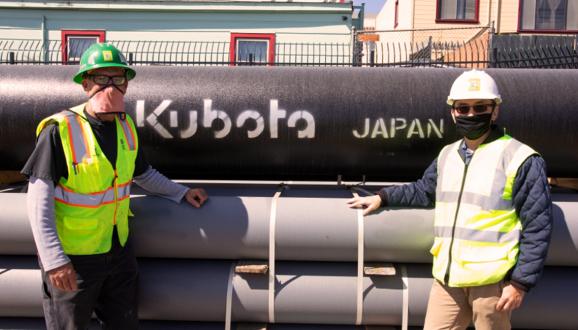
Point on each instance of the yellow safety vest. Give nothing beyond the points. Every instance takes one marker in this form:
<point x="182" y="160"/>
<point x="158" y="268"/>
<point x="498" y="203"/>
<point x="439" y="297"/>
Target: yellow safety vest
<point x="95" y="196"/>
<point x="476" y="226"/>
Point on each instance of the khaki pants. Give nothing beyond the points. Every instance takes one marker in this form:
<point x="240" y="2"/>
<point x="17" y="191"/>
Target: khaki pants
<point x="455" y="308"/>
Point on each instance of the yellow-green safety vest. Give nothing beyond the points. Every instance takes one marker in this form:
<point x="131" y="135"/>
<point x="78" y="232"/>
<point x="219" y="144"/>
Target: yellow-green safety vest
<point x="476" y="227"/>
<point x="95" y="196"/>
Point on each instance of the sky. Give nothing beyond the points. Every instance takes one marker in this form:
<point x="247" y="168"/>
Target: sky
<point x="371" y="6"/>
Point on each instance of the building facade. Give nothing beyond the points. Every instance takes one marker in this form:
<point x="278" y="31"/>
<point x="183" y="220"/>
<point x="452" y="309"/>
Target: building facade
<point x="474" y="33"/>
<point x="504" y="16"/>
<point x="189" y="30"/>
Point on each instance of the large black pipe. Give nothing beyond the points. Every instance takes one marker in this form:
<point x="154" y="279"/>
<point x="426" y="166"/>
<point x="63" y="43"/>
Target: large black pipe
<point x="297" y="123"/>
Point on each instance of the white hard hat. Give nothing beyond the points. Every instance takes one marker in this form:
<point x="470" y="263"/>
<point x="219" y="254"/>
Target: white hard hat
<point x="474" y="85"/>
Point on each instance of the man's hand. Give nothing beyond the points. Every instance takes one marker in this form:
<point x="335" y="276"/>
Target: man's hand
<point x="196" y="197"/>
<point x="63" y="278"/>
<point x="511" y="298"/>
<point x="369" y="203"/>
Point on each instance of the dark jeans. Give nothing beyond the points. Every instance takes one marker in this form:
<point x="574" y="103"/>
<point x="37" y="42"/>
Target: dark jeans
<point x="107" y="285"/>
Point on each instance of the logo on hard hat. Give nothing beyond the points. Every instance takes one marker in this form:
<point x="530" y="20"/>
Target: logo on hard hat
<point x="107" y="55"/>
<point x="474" y="85"/>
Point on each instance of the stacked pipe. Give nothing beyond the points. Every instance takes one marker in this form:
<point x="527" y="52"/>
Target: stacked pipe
<point x="315" y="260"/>
<point x="316" y="270"/>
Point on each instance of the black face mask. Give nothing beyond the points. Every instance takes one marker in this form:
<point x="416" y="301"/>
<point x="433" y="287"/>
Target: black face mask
<point x="475" y="126"/>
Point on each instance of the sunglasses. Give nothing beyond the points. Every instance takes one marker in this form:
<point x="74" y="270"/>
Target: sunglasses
<point x="478" y="108"/>
<point x="107" y="80"/>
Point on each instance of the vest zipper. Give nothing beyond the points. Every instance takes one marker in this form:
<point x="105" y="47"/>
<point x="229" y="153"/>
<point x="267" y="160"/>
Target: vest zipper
<point x="447" y="275"/>
<point x="115" y="185"/>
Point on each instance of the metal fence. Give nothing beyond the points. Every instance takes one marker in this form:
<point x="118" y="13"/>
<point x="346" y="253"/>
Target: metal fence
<point x="477" y="48"/>
<point x="515" y="51"/>
<point x="21" y="51"/>
<point x="409" y="48"/>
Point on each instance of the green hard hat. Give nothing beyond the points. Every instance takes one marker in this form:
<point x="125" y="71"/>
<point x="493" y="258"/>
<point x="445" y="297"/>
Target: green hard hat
<point x="102" y="55"/>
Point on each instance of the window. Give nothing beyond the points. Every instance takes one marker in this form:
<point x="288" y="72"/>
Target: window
<point x="250" y="48"/>
<point x="549" y="15"/>
<point x="74" y="43"/>
<point x="396" y="19"/>
<point x="458" y="11"/>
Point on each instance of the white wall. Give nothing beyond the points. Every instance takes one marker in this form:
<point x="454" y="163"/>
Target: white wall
<point x="386" y="17"/>
<point x="369" y="21"/>
<point x="393" y="41"/>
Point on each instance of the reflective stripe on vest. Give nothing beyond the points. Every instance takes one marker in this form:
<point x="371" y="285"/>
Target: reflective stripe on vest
<point x="66" y="196"/>
<point x="77" y="138"/>
<point x="476" y="227"/>
<point x="477" y="235"/>
<point x="94" y="197"/>
<point x="128" y="134"/>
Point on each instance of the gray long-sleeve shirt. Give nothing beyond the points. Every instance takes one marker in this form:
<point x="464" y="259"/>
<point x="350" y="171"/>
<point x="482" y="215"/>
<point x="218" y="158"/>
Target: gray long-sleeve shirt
<point x="47" y="165"/>
<point x="40" y="203"/>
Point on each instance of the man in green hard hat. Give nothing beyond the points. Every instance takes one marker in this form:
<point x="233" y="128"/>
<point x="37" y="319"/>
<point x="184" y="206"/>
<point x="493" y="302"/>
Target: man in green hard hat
<point x="80" y="173"/>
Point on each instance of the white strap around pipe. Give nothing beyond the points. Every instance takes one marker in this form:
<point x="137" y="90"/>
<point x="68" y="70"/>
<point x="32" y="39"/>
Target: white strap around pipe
<point x="360" y="263"/>
<point x="229" y="302"/>
<point x="272" y="223"/>
<point x="405" y="311"/>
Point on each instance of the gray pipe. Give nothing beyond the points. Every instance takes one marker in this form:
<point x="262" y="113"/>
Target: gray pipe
<point x="314" y="293"/>
<point x="38" y="324"/>
<point x="312" y="224"/>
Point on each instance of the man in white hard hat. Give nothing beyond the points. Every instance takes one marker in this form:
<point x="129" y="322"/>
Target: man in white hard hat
<point x="492" y="214"/>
